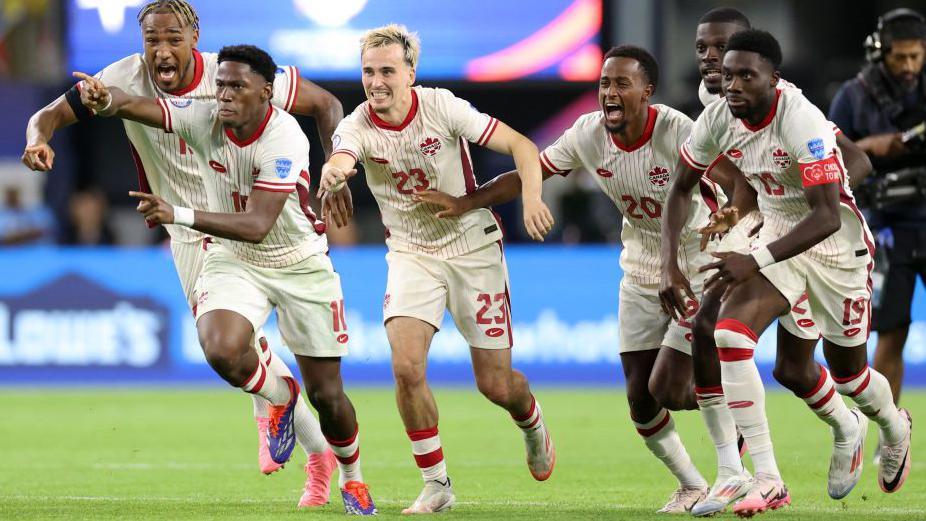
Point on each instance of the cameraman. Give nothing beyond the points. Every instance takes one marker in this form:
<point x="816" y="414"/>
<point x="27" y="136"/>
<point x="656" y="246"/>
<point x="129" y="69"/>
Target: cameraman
<point x="887" y="98"/>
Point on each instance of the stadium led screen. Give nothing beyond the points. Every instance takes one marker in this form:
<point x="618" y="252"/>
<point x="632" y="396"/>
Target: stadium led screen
<point x="476" y="40"/>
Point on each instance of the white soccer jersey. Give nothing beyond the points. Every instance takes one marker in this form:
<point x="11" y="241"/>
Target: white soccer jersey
<point x="793" y="147"/>
<point x="637" y="178"/>
<point x="166" y="166"/>
<point x="272" y="159"/>
<point x="428" y="150"/>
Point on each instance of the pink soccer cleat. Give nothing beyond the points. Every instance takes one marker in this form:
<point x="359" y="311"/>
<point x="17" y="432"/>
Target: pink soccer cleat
<point x="267" y="465"/>
<point x="318" y="472"/>
<point x="768" y="493"/>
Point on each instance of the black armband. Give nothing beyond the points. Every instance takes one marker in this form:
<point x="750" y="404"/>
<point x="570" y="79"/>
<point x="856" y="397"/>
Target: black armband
<point x="73" y="98"/>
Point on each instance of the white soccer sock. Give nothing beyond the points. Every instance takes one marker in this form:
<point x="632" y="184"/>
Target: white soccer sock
<point x="742" y="386"/>
<point x="347" y="453"/>
<point x="829" y="407"/>
<point x="663" y="441"/>
<point x="872" y="393"/>
<point x="268" y="385"/>
<point x="721" y="427"/>
<point x="308" y="430"/>
<point x="532" y="422"/>
<point x="429" y="456"/>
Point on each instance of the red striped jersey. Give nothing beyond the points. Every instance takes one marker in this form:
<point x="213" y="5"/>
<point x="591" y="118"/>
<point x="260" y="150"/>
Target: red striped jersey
<point x="166" y="166"/>
<point x="429" y="149"/>
<point x="637" y="178"/>
<point x="793" y="147"/>
<point x="273" y="159"/>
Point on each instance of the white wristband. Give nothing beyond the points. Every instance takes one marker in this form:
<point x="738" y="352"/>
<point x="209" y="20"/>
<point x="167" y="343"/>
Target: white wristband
<point x="183" y="216"/>
<point x="763" y="257"/>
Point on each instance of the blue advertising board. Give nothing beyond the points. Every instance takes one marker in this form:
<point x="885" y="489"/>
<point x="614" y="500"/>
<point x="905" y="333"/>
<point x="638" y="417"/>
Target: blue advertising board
<point x="100" y="316"/>
<point x="477" y="40"/>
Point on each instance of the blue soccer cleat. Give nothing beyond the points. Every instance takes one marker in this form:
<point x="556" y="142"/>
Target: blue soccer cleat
<point x="281" y="428"/>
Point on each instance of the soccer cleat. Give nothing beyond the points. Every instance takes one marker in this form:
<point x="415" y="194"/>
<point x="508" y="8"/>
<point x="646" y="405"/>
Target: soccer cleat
<point x="357" y="500"/>
<point x="318" y="473"/>
<point x="541" y="454"/>
<point x="847" y="460"/>
<point x="682" y="500"/>
<point x="435" y="497"/>
<point x="768" y="493"/>
<point x="266" y="463"/>
<point x="281" y="430"/>
<point x="895" y="459"/>
<point x="725" y="491"/>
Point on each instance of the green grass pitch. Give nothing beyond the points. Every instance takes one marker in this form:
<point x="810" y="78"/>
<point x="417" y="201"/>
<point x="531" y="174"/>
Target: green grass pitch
<point x="191" y="454"/>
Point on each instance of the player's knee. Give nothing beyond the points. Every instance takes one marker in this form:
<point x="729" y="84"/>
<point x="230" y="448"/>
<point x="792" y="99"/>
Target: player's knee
<point x="671" y="393"/>
<point x="638" y="394"/>
<point x="409" y="375"/>
<point x="324" y="397"/>
<point x="224" y="356"/>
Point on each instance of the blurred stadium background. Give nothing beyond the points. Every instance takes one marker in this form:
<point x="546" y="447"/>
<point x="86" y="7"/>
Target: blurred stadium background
<point x="89" y="296"/>
<point x="89" y="293"/>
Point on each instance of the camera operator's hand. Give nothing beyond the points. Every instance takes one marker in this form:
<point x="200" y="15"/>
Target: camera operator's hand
<point x="883" y="145"/>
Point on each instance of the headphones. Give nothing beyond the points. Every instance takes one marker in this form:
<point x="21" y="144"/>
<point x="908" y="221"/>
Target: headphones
<point x="874" y="43"/>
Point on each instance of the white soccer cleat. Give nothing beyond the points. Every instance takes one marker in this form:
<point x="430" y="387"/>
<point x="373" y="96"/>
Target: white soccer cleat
<point x="847" y="460"/>
<point x="683" y="500"/>
<point x="541" y="454"/>
<point x="895" y="459"/>
<point x="435" y="497"/>
<point x="725" y="491"/>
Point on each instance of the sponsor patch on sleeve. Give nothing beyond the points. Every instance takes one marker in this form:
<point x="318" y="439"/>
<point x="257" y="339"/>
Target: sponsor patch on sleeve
<point x="283" y="166"/>
<point x="821" y="172"/>
<point x="181" y="103"/>
<point x="816" y="148"/>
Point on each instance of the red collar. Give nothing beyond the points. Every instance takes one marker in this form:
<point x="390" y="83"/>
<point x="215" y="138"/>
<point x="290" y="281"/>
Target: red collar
<point x="379" y="122"/>
<point x="254" y="136"/>
<point x="647" y="132"/>
<point x="197" y="75"/>
<point x="768" y="117"/>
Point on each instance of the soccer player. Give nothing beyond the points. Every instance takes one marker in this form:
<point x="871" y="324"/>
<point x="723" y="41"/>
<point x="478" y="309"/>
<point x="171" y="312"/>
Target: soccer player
<point x="270" y="252"/>
<point x="172" y="68"/>
<point x="795" y="367"/>
<point x="813" y="241"/>
<point x="411" y="139"/>
<point x="628" y="146"/>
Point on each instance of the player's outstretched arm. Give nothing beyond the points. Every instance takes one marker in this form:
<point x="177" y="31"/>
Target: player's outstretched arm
<point x="498" y="190"/>
<point x="858" y="165"/>
<point x="323" y="106"/>
<point x="675" y="286"/>
<point x="253" y="224"/>
<point x="537" y="217"/>
<point x="38" y="154"/>
<point x="335" y="173"/>
<point x="111" y="101"/>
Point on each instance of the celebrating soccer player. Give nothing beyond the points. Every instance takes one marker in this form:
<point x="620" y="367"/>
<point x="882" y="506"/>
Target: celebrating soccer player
<point x="813" y="241"/>
<point x="271" y="251"/>
<point x="414" y="138"/>
<point x="172" y="68"/>
<point x="629" y="146"/>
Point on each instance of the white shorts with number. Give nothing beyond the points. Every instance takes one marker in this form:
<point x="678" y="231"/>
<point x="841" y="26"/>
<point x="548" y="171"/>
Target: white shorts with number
<point x="307" y="296"/>
<point x="799" y="321"/>
<point x="473" y="286"/>
<point x="645" y="326"/>
<point x="838" y="298"/>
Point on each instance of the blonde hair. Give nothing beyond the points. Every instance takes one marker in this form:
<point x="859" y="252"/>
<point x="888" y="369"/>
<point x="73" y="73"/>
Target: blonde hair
<point x="393" y="34"/>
